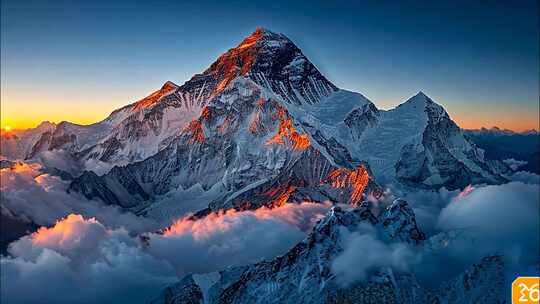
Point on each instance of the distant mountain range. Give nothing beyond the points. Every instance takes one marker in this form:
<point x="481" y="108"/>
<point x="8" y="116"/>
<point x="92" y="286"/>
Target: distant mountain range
<point x="505" y="144"/>
<point x="501" y="132"/>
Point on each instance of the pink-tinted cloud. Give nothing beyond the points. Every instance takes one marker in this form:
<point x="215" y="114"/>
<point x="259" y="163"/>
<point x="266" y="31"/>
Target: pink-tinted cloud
<point x="80" y="260"/>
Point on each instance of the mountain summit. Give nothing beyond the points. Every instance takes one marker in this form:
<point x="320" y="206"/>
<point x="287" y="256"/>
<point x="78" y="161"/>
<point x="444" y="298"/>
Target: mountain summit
<point x="271" y="60"/>
<point x="262" y="126"/>
<point x="307" y="272"/>
<point x="139" y="130"/>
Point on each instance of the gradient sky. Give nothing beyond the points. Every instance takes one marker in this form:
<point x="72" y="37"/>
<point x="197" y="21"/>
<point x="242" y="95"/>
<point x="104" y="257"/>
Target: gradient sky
<point x="79" y="60"/>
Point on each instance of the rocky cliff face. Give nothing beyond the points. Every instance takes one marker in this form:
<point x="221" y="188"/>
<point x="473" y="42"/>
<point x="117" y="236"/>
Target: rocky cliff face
<point x="246" y="145"/>
<point x="270" y="128"/>
<point x="417" y="144"/>
<point x="443" y="156"/>
<point x="304" y="274"/>
<point x="143" y="128"/>
<point x="263" y="127"/>
<point x="16" y="144"/>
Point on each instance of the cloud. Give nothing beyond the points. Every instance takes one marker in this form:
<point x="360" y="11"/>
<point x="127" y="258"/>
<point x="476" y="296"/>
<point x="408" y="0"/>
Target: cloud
<point x="481" y="221"/>
<point x="42" y="198"/>
<point x="465" y="226"/>
<point x="65" y="161"/>
<point x="81" y="260"/>
<point x="234" y="238"/>
<point x="101" y="260"/>
<point x="60" y="159"/>
<point x="364" y="252"/>
<point x="525" y="177"/>
<point x="502" y="218"/>
<point x="427" y="204"/>
<point x="514" y="164"/>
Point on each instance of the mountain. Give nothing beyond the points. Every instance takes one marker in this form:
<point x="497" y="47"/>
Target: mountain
<point x="263" y="127"/>
<point x="415" y="143"/>
<point x="141" y="129"/>
<point x="13" y="227"/>
<point x="505" y="144"/>
<point x="245" y="149"/>
<point x="271" y="129"/>
<point x="496" y="131"/>
<point x="16" y="144"/>
<point x="304" y="274"/>
<point x="129" y="134"/>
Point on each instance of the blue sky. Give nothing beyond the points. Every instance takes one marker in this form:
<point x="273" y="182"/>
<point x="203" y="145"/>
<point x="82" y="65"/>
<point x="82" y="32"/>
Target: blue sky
<point x="79" y="60"/>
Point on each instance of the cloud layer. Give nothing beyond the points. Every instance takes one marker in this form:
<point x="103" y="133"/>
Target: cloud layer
<point x="96" y="257"/>
<point x="234" y="238"/>
<point x="42" y="198"/>
<point x="364" y="252"/>
<point x="465" y="226"/>
<point x="502" y="218"/>
<point x="81" y="260"/>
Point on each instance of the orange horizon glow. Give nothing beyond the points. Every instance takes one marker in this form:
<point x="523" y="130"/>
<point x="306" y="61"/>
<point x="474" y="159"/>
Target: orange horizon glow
<point x="21" y="121"/>
<point x="16" y="123"/>
<point x="516" y="126"/>
<point x="511" y="119"/>
<point x="26" y="116"/>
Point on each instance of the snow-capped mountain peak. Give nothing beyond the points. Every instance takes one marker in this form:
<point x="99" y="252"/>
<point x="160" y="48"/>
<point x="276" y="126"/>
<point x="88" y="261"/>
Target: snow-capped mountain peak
<point x="136" y="131"/>
<point x="305" y="274"/>
<point x="168" y="88"/>
<point x="272" y="61"/>
<point x="417" y="143"/>
<point x="420" y="101"/>
<point x="256" y="122"/>
<point x="263" y="37"/>
<point x="262" y="126"/>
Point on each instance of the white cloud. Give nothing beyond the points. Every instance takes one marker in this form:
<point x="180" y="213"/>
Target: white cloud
<point x="26" y="191"/>
<point x="525" y="177"/>
<point x="476" y="222"/>
<point x="427" y="204"/>
<point x="234" y="238"/>
<point x="502" y="218"/>
<point x="514" y="164"/>
<point x="60" y="159"/>
<point x="364" y="252"/>
<point x="480" y="221"/>
<point x="82" y="261"/>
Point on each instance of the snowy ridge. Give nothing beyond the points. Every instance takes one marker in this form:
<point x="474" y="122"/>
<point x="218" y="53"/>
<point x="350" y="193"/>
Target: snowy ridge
<point x="16" y="144"/>
<point x="416" y="144"/>
<point x="265" y="122"/>
<point x="141" y="129"/>
<point x="247" y="146"/>
<point x="304" y="275"/>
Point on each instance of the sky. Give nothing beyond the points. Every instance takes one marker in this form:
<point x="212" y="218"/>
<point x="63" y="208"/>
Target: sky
<point x="80" y="60"/>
